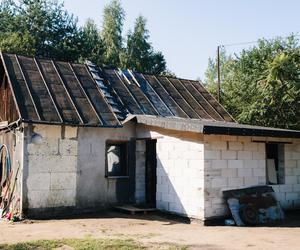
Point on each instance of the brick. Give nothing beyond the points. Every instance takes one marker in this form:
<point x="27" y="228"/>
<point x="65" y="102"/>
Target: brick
<point x="219" y="164"/>
<point x="230" y="173"/>
<point x="212" y="154"/>
<point x="229" y="155"/>
<point x="235" y="146"/>
<point x="259" y="172"/>
<point x="244" y="172"/>
<point x="244" y="155"/>
<point x="235" y="164"/>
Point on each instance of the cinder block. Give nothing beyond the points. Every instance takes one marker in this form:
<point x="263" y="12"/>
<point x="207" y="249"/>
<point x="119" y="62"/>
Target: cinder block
<point x="295" y="156"/>
<point x="196" y="164"/>
<point x="68" y="147"/>
<point x="229" y="172"/>
<point x="250" y="163"/>
<point x="250" y="146"/>
<point x="229" y="155"/>
<point x="296" y="187"/>
<point x="219" y="182"/>
<point x="212" y="154"/>
<point x="245" y="172"/>
<point x="38" y="181"/>
<point x="291" y="180"/>
<point x="244" y="155"/>
<point x="219" y="145"/>
<point x="70" y="132"/>
<point x="162" y="205"/>
<point x="286" y="188"/>
<point x="235" y="146"/>
<point x="296" y="171"/>
<point x="219" y="164"/>
<point x="259" y="172"/>
<point x="63" y="181"/>
<point x="191" y="155"/>
<point x="259" y="155"/>
<point x="37" y="198"/>
<point x="229" y="138"/>
<point x="291" y="163"/>
<point x="140" y="146"/>
<point x="250" y="181"/>
<point x="49" y="146"/>
<point x="236" y="182"/>
<point x="48" y="131"/>
<point x="196" y="146"/>
<point x="291" y="196"/>
<point x="61" y="198"/>
<point x="235" y="164"/>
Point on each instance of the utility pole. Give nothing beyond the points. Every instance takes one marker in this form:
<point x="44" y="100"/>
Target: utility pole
<point x="219" y="74"/>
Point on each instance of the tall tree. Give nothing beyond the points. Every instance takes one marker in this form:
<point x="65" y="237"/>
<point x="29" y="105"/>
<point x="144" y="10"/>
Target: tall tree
<point x="112" y="33"/>
<point x="40" y="27"/>
<point x="140" y="55"/>
<point x="262" y="86"/>
<point x="92" y="47"/>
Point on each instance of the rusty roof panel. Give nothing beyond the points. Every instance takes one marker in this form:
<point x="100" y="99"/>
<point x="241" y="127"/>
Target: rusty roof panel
<point x="97" y="99"/>
<point x="77" y="94"/>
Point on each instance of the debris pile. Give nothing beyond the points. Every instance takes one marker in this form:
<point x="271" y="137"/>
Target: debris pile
<point x="254" y="206"/>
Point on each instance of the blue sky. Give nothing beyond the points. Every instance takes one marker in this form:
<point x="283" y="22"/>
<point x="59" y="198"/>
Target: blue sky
<point x="188" y="32"/>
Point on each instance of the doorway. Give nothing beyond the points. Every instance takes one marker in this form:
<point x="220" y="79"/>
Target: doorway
<point x="150" y="175"/>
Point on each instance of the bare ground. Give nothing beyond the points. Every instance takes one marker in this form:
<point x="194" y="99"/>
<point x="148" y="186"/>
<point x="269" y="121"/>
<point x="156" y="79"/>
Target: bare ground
<point x="156" y="229"/>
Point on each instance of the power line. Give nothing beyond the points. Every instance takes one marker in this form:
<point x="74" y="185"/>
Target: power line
<point x="252" y="42"/>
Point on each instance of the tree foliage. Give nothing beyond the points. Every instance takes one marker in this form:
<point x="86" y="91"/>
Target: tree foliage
<point x="140" y="55"/>
<point x="262" y="84"/>
<point x="44" y="28"/>
<point x="39" y="27"/>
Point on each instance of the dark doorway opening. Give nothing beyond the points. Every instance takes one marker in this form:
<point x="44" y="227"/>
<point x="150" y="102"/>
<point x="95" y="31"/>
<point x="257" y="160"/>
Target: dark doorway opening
<point x="151" y="173"/>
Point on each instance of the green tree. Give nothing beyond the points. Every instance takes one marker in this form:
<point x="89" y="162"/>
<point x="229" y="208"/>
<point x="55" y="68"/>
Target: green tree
<point x="262" y="86"/>
<point x="92" y="47"/>
<point x="140" y="55"/>
<point x="48" y="29"/>
<point x="112" y="33"/>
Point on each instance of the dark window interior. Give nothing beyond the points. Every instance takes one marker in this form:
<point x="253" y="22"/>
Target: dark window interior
<point x="116" y="159"/>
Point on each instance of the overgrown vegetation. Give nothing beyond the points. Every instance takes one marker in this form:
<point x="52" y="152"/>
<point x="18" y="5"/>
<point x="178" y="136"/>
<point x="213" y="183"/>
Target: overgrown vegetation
<point x="261" y="85"/>
<point x="85" y="244"/>
<point x="44" y="28"/>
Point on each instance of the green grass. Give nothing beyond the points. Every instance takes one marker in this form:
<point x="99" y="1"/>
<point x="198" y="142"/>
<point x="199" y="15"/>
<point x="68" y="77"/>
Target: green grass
<point x="85" y="244"/>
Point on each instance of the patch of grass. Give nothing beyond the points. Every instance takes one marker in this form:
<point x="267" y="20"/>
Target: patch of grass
<point x="85" y="244"/>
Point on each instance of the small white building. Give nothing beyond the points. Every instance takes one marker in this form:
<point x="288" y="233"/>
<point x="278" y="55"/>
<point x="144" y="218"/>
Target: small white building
<point x="82" y="139"/>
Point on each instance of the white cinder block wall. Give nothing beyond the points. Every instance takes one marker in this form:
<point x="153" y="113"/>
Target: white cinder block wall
<point x="140" y="171"/>
<point x="51" y="167"/>
<point x="236" y="162"/>
<point x="230" y="162"/>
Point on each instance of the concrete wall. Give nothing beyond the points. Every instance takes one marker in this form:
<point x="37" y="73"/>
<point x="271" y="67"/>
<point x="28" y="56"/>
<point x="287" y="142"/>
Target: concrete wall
<point x="50" y="169"/>
<point x="93" y="189"/>
<point x="180" y="172"/>
<point x="67" y="169"/>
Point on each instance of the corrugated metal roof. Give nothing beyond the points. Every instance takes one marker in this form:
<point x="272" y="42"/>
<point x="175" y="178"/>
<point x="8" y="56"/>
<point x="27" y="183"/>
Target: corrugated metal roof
<point x="48" y="91"/>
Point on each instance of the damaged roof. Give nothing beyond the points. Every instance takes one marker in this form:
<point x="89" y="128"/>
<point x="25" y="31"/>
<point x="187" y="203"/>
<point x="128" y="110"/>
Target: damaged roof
<point x="47" y="91"/>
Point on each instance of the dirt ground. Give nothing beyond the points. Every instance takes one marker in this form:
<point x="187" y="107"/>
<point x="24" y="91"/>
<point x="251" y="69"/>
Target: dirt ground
<point x="155" y="229"/>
